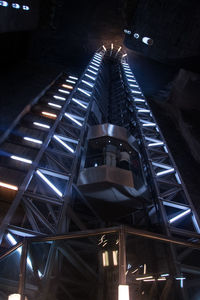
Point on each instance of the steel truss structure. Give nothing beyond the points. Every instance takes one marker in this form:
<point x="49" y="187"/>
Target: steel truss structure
<point x="43" y="160"/>
<point x="44" y="151"/>
<point x="173" y="202"/>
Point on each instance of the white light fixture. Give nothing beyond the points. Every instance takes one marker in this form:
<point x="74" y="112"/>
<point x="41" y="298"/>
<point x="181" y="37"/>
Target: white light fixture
<point x="131" y="80"/>
<point x="97" y="59"/>
<point x="4" y="3"/>
<point x="64" y="92"/>
<point x="49" y="183"/>
<point x="186" y="212"/>
<point x="93" y="72"/>
<point x="136" y="35"/>
<point x="146" y="280"/>
<point x="165" y="172"/>
<point x="124" y="55"/>
<point x="73" y="119"/>
<point x="70" y="81"/>
<point x="15" y="297"/>
<point x="144" y="277"/>
<point x="111" y="46"/>
<point x="78" y="102"/>
<point x="25" y="7"/>
<point x="164" y="275"/>
<point x="72" y="77"/>
<point x="136" y="92"/>
<point x="54" y="105"/>
<point x="123" y="292"/>
<point x="87" y="83"/>
<point x="104" y="48"/>
<point x="41" y="125"/>
<point x="60" y="98"/>
<point x="8" y="186"/>
<point x="155" y="144"/>
<point x="26" y="161"/>
<point x="26" y="138"/>
<point x="144" y="111"/>
<point x="105" y="258"/>
<point x="148" y="41"/>
<point x="91" y="77"/>
<point x="127" y="31"/>
<point x="95" y="64"/>
<point x="16" y="5"/>
<point x="67" y="86"/>
<point x="94" y="68"/>
<point x="84" y="92"/>
<point x="47" y="114"/>
<point x="115" y="257"/>
<point x="139" y="100"/>
<point x="63" y="143"/>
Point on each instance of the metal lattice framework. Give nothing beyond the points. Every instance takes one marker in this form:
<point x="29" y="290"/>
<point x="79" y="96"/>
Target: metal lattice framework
<point x="46" y="157"/>
<point x="46" y="148"/>
<point x="174" y="204"/>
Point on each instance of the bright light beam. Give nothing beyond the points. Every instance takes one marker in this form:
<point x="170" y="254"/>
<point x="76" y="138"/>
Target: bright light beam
<point x="49" y="183"/>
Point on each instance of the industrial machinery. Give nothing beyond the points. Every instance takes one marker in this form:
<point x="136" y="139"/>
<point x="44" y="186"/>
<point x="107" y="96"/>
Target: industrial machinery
<point x="91" y="199"/>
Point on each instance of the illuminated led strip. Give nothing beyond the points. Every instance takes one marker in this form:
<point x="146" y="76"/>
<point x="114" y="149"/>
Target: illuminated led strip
<point x="71" y="81"/>
<point x="186" y="212"/>
<point x="63" y="144"/>
<point x="131" y="80"/>
<point x="91" y="77"/>
<point x="165" y="172"/>
<point x="67" y="86"/>
<point x="94" y="68"/>
<point x="139" y="100"/>
<point x="45" y="113"/>
<point x="134" y="85"/>
<point x="87" y="83"/>
<point x="54" y="105"/>
<point x="8" y="186"/>
<point x="49" y="183"/>
<point x="26" y="138"/>
<point x="72" y="77"/>
<point x="41" y="125"/>
<point x="59" y="98"/>
<point x="97" y="60"/>
<point x="136" y="92"/>
<point x="129" y="76"/>
<point x="144" y="111"/>
<point x="84" y="92"/>
<point x="73" y="119"/>
<point x="95" y="73"/>
<point x="26" y="161"/>
<point x="95" y="64"/>
<point x="64" y="92"/>
<point x="78" y="102"/>
<point x="143" y="278"/>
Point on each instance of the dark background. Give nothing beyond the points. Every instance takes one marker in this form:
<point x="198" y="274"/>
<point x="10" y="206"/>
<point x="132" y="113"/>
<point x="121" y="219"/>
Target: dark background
<point x="62" y="35"/>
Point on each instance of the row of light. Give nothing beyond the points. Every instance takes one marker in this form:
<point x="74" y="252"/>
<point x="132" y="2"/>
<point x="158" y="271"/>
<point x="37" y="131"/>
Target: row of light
<point x="73" y="118"/>
<point x="96" y="60"/>
<point x="46" y="114"/>
<point x="36" y="141"/>
<point x="168" y="169"/>
<point x="14" y="5"/>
